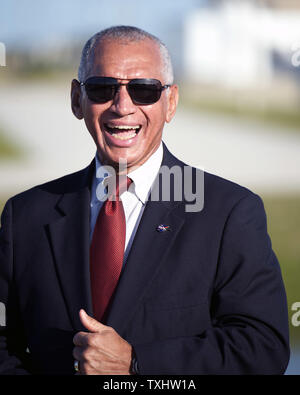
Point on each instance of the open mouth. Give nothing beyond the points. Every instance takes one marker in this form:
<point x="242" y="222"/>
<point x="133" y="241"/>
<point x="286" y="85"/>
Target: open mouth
<point x="122" y="132"/>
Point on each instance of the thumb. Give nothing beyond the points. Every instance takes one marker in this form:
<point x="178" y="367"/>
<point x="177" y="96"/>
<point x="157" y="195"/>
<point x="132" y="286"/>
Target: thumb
<point x="90" y="323"/>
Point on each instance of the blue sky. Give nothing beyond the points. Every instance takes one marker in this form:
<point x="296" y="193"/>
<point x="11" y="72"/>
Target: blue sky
<point x="29" y="22"/>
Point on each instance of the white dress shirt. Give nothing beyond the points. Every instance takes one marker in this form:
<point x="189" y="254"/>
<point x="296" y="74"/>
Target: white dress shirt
<point x="133" y="200"/>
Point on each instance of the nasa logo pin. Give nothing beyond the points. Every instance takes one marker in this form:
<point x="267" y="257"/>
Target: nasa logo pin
<point x="163" y="228"/>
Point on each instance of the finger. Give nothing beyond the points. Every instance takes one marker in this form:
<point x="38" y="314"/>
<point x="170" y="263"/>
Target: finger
<point x="81" y="339"/>
<point x="90" y="323"/>
<point x="77" y="353"/>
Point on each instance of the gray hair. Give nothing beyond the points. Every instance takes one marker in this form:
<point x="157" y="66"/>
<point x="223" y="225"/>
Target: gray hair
<point x="126" y="34"/>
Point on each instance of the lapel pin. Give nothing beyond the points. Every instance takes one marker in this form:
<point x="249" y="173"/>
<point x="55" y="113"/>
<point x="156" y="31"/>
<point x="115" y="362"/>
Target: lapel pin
<point x="163" y="228"/>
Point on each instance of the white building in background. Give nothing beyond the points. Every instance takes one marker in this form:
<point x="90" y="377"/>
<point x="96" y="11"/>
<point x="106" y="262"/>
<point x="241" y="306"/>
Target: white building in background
<point x="241" y="44"/>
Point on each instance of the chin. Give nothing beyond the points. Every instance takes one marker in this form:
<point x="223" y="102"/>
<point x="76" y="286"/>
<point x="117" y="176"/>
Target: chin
<point x="117" y="159"/>
<point x="124" y="154"/>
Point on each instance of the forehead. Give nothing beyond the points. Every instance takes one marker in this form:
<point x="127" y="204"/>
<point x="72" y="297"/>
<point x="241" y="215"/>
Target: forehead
<point x="127" y="60"/>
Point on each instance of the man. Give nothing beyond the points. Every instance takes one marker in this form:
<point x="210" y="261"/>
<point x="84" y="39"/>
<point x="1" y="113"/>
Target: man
<point x="197" y="292"/>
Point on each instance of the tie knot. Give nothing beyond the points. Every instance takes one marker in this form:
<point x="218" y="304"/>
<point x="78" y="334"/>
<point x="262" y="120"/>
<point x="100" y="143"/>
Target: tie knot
<point x="123" y="183"/>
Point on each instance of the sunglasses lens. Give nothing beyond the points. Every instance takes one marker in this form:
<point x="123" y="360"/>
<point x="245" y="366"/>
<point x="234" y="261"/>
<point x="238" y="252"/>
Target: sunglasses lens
<point x="144" y="92"/>
<point x="98" y="93"/>
<point x="101" y="90"/>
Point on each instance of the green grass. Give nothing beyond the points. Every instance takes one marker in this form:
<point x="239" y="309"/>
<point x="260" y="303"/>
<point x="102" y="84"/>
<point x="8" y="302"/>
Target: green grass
<point x="2" y="202"/>
<point x="289" y="119"/>
<point x="284" y="228"/>
<point x="8" y="149"/>
<point x="283" y="215"/>
<point x="37" y="74"/>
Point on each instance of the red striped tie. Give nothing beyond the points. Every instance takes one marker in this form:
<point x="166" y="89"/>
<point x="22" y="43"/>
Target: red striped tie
<point x="107" y="250"/>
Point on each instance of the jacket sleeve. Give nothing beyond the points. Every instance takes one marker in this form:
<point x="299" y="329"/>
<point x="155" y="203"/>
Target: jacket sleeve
<point x="13" y="356"/>
<point x="249" y="320"/>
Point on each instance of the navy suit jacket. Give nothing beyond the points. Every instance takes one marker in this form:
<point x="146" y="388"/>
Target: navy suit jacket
<point x="205" y="297"/>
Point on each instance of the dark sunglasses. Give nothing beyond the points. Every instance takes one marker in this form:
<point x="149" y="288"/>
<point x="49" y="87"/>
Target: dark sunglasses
<point x="141" y="90"/>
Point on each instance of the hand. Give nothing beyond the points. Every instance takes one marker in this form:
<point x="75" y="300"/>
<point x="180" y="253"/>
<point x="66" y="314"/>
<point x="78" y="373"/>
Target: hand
<point x="101" y="350"/>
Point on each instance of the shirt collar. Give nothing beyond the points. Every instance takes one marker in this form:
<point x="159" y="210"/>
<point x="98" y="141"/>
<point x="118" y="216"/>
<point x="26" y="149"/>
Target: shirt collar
<point x="142" y="177"/>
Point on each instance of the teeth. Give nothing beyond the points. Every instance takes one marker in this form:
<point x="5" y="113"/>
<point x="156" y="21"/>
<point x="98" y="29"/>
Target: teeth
<point x="121" y="136"/>
<point x="123" y="132"/>
<point x="123" y="127"/>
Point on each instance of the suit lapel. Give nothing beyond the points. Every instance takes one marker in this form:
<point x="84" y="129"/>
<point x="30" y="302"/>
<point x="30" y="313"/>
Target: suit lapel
<point x="147" y="254"/>
<point x="144" y="261"/>
<point x="69" y="237"/>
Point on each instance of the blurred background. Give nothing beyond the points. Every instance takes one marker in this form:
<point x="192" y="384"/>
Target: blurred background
<point x="237" y="64"/>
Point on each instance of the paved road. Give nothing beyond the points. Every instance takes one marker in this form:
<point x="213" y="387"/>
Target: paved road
<point x="39" y="117"/>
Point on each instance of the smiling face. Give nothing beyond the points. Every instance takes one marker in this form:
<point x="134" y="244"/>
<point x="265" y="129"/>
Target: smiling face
<point x="120" y="128"/>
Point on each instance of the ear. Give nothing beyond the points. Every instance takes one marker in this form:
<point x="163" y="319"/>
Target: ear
<point x="76" y="99"/>
<point x="173" y="97"/>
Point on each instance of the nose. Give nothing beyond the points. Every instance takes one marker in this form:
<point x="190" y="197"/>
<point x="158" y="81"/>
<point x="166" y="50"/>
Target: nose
<point x="122" y="103"/>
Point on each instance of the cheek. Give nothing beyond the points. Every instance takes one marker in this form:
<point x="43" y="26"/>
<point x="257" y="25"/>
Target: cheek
<point x="92" y="117"/>
<point x="156" y="117"/>
<point x="92" y="126"/>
